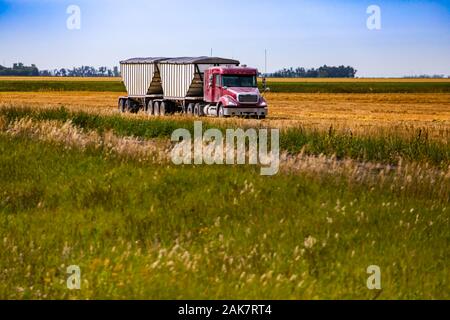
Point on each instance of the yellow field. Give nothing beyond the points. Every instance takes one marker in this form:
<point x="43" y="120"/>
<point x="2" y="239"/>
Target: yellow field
<point x="360" y="113"/>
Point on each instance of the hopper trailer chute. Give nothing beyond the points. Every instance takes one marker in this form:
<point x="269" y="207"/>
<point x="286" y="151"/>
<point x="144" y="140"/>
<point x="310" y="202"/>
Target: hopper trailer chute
<point x="200" y="86"/>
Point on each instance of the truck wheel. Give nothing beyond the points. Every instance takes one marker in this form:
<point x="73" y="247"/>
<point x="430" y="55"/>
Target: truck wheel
<point x="156" y="108"/>
<point x="220" y="112"/>
<point x="163" y="108"/>
<point x="196" y="110"/>
<point x="150" y="108"/>
<point x="190" y="109"/>
<point x="199" y="108"/>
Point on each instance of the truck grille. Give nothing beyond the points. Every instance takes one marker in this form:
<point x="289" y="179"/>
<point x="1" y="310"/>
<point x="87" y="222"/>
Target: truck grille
<point x="248" y="98"/>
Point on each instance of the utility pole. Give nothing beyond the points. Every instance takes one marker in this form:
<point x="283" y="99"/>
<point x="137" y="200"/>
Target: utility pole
<point x="265" y="62"/>
<point x="211" y="52"/>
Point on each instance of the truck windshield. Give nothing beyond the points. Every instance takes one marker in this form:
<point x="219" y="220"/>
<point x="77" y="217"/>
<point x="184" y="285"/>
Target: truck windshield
<point x="239" y="81"/>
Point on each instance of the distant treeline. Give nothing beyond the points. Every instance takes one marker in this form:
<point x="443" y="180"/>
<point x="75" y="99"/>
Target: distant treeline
<point x="84" y="71"/>
<point x="427" y="76"/>
<point x="322" y="72"/>
<point x="19" y="69"/>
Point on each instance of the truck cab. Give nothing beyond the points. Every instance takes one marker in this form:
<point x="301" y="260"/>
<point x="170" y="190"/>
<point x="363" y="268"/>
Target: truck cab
<point x="233" y="91"/>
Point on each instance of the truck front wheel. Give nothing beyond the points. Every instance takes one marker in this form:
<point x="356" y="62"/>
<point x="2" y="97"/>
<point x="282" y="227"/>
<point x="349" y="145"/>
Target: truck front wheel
<point x="220" y="112"/>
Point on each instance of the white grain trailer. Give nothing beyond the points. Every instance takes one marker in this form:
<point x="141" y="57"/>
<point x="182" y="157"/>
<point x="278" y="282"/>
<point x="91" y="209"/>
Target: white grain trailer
<point x="165" y="85"/>
<point x="142" y="82"/>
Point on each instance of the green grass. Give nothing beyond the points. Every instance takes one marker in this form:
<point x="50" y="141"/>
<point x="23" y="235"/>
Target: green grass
<point x="361" y="87"/>
<point x="384" y="148"/>
<point x="142" y="230"/>
<point x="281" y="87"/>
<point x="49" y="85"/>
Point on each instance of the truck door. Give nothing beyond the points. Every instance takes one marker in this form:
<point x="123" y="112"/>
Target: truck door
<point x="217" y="87"/>
<point x="209" y="87"/>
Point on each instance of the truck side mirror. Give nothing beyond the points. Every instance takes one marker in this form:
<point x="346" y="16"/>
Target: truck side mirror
<point x="267" y="89"/>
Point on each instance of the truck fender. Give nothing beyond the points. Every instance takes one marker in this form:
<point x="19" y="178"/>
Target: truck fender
<point x="224" y="100"/>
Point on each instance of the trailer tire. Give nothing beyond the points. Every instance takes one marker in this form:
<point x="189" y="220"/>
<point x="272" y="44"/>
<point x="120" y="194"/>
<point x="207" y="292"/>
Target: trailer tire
<point x="163" y="107"/>
<point x="156" y="108"/>
<point x="128" y="106"/>
<point x="190" y="109"/>
<point x="150" y="111"/>
<point x="121" y="105"/>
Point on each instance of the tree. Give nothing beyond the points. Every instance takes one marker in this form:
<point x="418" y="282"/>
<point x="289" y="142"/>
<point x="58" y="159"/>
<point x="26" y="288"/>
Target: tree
<point x="322" y="72"/>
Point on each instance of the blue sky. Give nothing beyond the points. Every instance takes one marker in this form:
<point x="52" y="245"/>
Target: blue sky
<point x="414" y="36"/>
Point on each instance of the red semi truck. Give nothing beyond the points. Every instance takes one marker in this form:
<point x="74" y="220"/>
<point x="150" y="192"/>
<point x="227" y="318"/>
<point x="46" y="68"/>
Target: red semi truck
<point x="201" y="86"/>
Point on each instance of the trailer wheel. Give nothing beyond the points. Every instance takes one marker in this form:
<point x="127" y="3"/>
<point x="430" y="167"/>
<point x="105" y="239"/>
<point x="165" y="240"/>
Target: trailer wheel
<point x="128" y="105"/>
<point x="162" y="108"/>
<point x="121" y="105"/>
<point x="190" y="109"/>
<point x="150" y="108"/>
<point x="156" y="108"/>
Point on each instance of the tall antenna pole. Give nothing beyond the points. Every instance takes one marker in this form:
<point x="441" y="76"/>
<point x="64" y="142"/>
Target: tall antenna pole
<point x="211" y="52"/>
<point x="265" y="61"/>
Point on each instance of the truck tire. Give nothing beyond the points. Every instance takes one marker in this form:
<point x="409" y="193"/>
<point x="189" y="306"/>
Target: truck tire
<point x="121" y="105"/>
<point x="150" y="111"/>
<point x="199" y="109"/>
<point x="220" y="112"/>
<point x="156" y="108"/>
<point x="196" y="110"/>
<point x="163" y="107"/>
<point x="190" y="109"/>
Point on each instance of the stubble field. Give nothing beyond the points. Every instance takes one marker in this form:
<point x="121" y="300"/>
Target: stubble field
<point x="364" y="180"/>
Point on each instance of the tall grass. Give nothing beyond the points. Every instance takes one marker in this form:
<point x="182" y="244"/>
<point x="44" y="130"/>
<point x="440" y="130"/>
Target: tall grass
<point x="145" y="230"/>
<point x="79" y="188"/>
<point x="385" y="148"/>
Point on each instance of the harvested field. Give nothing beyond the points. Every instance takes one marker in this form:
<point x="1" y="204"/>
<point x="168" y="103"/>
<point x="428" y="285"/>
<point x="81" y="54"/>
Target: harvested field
<point x="359" y="113"/>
